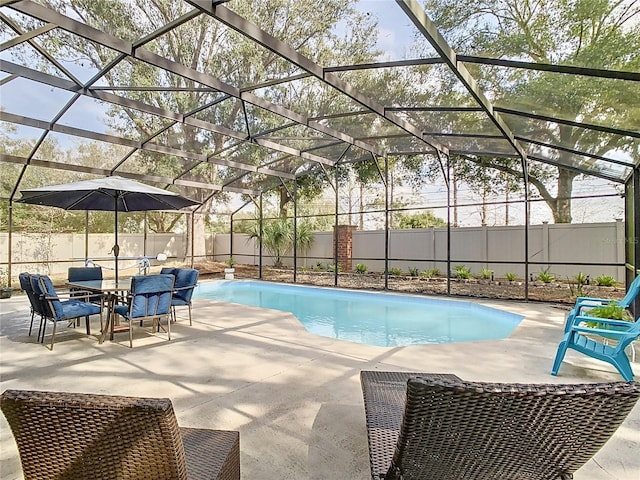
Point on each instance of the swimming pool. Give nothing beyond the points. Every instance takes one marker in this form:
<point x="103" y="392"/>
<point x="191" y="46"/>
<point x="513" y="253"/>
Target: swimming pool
<point x="382" y="319"/>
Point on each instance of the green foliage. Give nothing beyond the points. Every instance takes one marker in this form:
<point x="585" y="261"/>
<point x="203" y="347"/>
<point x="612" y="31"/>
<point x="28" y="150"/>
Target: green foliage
<point x="230" y="262"/>
<point x="332" y="268"/>
<point x="318" y="267"/>
<point x="395" y="271"/>
<point x="580" y="280"/>
<point x="485" y="274"/>
<point x="361" y="268"/>
<point x="419" y="220"/>
<point x="511" y="277"/>
<point x="430" y="273"/>
<point x="413" y="271"/>
<point x="546" y="276"/>
<point x="277" y="237"/>
<point x="461" y="272"/>
<point x="611" y="311"/>
<point x="594" y="33"/>
<point x="606" y="281"/>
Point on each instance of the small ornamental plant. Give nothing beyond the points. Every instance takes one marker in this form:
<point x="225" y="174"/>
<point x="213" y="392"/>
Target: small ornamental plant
<point x="462" y="272"/>
<point x="361" y="268"/>
<point x="606" y="281"/>
<point x="545" y="276"/>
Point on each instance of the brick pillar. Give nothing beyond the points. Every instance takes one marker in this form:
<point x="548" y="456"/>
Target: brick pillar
<point x="344" y="235"/>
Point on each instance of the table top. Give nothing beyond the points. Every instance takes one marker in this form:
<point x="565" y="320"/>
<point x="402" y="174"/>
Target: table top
<point x="103" y="286"/>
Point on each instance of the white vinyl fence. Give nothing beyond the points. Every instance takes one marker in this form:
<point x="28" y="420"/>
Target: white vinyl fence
<point x="499" y="249"/>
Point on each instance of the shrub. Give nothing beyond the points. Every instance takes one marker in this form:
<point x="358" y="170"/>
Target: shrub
<point x="580" y="281"/>
<point x="396" y="271"/>
<point x="545" y="276"/>
<point x="511" y="276"/>
<point x="430" y="273"/>
<point x="413" y="272"/>
<point x="319" y="267"/>
<point x="332" y="268"/>
<point x="361" y="268"/>
<point x="611" y="310"/>
<point x="606" y="281"/>
<point x="485" y="274"/>
<point x="462" y="272"/>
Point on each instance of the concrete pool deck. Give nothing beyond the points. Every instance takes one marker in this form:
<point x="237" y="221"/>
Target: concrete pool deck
<point x="295" y="397"/>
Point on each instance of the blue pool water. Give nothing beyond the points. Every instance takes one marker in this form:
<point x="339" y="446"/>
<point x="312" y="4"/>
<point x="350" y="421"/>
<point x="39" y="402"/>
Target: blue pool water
<point x="381" y="319"/>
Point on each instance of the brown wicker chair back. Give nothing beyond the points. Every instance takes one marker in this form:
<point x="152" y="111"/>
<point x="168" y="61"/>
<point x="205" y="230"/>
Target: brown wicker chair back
<point x="450" y="429"/>
<point x="84" y="436"/>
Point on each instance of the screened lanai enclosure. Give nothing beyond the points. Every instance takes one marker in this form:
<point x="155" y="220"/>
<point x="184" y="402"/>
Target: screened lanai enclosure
<point x="432" y="139"/>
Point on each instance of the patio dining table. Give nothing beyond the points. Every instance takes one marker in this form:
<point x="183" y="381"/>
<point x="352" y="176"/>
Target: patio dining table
<point x="110" y="289"/>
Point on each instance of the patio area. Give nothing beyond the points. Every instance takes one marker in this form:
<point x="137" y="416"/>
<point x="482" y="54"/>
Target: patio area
<point x="295" y="397"/>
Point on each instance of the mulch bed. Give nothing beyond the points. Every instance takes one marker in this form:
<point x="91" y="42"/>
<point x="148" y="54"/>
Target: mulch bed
<point x="560" y="293"/>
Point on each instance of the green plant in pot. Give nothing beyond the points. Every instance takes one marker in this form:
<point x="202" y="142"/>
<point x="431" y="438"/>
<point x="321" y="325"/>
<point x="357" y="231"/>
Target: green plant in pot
<point x="229" y="271"/>
<point x="611" y="310"/>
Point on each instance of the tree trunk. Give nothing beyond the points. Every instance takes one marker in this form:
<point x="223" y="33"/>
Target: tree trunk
<point x="562" y="206"/>
<point x="284" y="200"/>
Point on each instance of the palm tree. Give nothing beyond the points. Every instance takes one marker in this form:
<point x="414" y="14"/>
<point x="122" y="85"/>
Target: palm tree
<point x="277" y="237"/>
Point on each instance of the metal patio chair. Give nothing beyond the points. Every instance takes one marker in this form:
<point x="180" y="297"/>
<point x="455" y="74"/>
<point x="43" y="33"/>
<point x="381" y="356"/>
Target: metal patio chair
<point x="148" y="299"/>
<point x="83" y="436"/>
<point x="436" y="427"/>
<point x="58" y="310"/>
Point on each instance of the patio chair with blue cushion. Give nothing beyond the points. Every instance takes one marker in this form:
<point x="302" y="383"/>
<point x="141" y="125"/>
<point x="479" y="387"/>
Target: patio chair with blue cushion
<point x="594" y="342"/>
<point x="34" y="301"/>
<point x="83" y="274"/>
<point x="186" y="281"/>
<point x="57" y="310"/>
<point x="84" y="436"/>
<point x="434" y="426"/>
<point x="148" y="299"/>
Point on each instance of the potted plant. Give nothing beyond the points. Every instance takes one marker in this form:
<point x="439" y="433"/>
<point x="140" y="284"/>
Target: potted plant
<point x="229" y="271"/>
<point x="611" y="310"/>
<point x="5" y="289"/>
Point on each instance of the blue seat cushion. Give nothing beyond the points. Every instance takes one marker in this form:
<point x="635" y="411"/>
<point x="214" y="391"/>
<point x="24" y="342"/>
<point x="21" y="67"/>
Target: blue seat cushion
<point x="178" y="302"/>
<point x="77" y="308"/>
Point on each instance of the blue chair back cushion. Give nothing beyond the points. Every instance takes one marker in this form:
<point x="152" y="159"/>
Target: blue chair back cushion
<point x="67" y="309"/>
<point x="81" y="274"/>
<point x="25" y="284"/>
<point x="38" y="294"/>
<point x="150" y="295"/>
<point x="168" y="271"/>
<point x="185" y="277"/>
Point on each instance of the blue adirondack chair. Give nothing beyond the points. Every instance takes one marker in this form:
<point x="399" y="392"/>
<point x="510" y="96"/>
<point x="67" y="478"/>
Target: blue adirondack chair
<point x="148" y="299"/>
<point x="584" y="304"/>
<point x="57" y="310"/>
<point x="580" y="338"/>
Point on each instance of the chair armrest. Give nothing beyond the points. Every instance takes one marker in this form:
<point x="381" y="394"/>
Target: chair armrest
<point x="622" y="327"/>
<point x="601" y="331"/>
<point x="187" y="287"/>
<point x="74" y="295"/>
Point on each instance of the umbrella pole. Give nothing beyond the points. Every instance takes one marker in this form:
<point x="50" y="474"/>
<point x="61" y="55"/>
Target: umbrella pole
<point x="116" y="247"/>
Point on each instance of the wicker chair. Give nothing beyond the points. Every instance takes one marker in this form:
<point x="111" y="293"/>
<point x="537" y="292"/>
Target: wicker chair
<point x="422" y="425"/>
<point x="83" y="436"/>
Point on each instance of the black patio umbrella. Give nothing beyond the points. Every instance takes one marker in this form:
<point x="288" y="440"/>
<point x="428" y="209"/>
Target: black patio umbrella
<point x="115" y="194"/>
